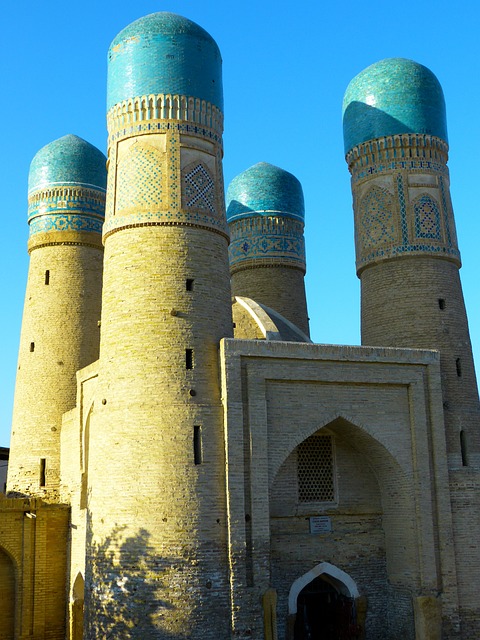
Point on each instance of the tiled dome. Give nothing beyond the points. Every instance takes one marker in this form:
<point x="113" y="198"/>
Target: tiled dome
<point x="265" y="190"/>
<point x="164" y="53"/>
<point x="70" y="160"/>
<point x="391" y="97"/>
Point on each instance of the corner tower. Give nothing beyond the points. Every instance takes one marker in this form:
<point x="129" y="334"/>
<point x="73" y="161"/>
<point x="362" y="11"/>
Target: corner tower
<point x="156" y="546"/>
<point x="408" y="259"/>
<point x="266" y="213"/>
<point x="60" y="334"/>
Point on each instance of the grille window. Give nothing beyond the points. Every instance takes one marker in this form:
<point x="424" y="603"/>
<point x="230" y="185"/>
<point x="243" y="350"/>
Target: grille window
<point x="315" y="470"/>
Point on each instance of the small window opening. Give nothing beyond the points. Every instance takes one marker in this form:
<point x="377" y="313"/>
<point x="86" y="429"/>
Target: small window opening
<point x="32" y="347"/>
<point x="441" y="303"/>
<point x="197" y="444"/>
<point x="189" y="284"/>
<point x="463" y="448"/>
<point x="42" y="471"/>
<point x="189" y="358"/>
<point x="458" y="365"/>
<point x="47" y="276"/>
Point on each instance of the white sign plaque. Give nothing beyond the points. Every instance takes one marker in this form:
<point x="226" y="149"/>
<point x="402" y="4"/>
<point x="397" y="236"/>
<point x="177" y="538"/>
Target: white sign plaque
<point x="320" y="524"/>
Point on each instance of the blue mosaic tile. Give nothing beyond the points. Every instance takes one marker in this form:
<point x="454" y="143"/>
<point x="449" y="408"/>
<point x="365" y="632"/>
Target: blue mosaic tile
<point x="272" y="238"/>
<point x="43" y="224"/>
<point x="391" y="97"/>
<point x="427" y="217"/>
<point x="265" y="190"/>
<point x="164" y="53"/>
<point x="403" y="209"/>
<point x="68" y="161"/>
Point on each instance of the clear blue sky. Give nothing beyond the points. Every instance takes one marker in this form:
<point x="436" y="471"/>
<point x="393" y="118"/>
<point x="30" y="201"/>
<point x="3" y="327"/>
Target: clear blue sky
<point x="286" y="67"/>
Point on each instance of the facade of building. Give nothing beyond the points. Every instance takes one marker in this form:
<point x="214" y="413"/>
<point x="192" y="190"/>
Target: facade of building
<point x="185" y="462"/>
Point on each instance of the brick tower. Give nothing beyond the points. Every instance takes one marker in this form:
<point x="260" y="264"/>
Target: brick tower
<point x="265" y="213"/>
<point x="60" y="331"/>
<point x="408" y="260"/>
<point x="156" y="545"/>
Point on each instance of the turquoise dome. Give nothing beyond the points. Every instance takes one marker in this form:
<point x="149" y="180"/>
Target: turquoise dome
<point x="265" y="190"/>
<point x="68" y="161"/>
<point x="391" y="97"/>
<point x="164" y="53"/>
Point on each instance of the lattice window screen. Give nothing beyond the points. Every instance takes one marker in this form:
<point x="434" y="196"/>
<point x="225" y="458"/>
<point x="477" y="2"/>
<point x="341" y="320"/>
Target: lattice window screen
<point x="315" y="469"/>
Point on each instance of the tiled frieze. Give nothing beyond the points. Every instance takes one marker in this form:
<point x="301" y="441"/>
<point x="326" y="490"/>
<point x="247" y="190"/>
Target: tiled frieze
<point x="65" y="208"/>
<point x="264" y="239"/>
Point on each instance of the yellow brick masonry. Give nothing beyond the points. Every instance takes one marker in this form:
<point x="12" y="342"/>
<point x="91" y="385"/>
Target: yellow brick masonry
<point x="392" y="523"/>
<point x="417" y="301"/>
<point x="276" y="286"/>
<point x="33" y="563"/>
<point x="60" y="335"/>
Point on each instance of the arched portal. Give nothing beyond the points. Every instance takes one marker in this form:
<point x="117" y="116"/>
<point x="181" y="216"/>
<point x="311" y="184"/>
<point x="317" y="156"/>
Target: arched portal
<point x="7" y="596"/>
<point x="323" y="604"/>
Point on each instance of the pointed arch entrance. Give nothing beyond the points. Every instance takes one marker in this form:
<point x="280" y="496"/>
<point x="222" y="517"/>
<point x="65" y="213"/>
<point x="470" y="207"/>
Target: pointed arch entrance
<point x="322" y="604"/>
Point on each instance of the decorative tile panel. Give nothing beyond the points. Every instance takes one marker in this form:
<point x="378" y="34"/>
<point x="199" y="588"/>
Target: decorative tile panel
<point x="266" y="238"/>
<point x="427" y="217"/>
<point x="376" y="219"/>
<point x="139" y="179"/>
<point x="199" y="188"/>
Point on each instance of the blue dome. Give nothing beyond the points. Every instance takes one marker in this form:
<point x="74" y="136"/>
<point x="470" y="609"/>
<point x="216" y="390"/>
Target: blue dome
<point x="390" y="97"/>
<point x="164" y="53"/>
<point x="265" y="190"/>
<point x="68" y="161"/>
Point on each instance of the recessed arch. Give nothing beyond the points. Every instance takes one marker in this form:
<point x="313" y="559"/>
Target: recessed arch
<point x="338" y="578"/>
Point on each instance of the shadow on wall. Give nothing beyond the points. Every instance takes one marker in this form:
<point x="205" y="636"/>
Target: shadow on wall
<point x="362" y="122"/>
<point x="122" y="586"/>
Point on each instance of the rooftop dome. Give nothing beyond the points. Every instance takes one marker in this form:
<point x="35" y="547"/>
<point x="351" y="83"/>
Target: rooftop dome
<point x="164" y="53"/>
<point x="68" y="161"/>
<point x="390" y="97"/>
<point x="265" y="190"/>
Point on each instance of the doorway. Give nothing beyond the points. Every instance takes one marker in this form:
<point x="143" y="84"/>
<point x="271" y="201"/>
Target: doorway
<point x="324" y="613"/>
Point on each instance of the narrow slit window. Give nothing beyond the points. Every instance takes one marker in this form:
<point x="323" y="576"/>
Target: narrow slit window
<point x="197" y="444"/>
<point x="463" y="449"/>
<point x="32" y="347"/>
<point x="189" y="358"/>
<point x="47" y="276"/>
<point x="441" y="303"/>
<point x="189" y="284"/>
<point x="458" y="365"/>
<point x="43" y="467"/>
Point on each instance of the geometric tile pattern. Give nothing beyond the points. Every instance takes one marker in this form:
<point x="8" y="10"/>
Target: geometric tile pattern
<point x="66" y="208"/>
<point x="427" y="217"/>
<point x="65" y="222"/>
<point x="199" y="189"/>
<point x="269" y="238"/>
<point x="376" y="218"/>
<point x="66" y="199"/>
<point x="139" y="179"/>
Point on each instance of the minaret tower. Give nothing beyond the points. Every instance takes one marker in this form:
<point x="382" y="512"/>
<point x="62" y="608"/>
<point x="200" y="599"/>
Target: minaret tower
<point x="408" y="259"/>
<point x="266" y="213"/>
<point x="157" y="547"/>
<point x="60" y="331"/>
